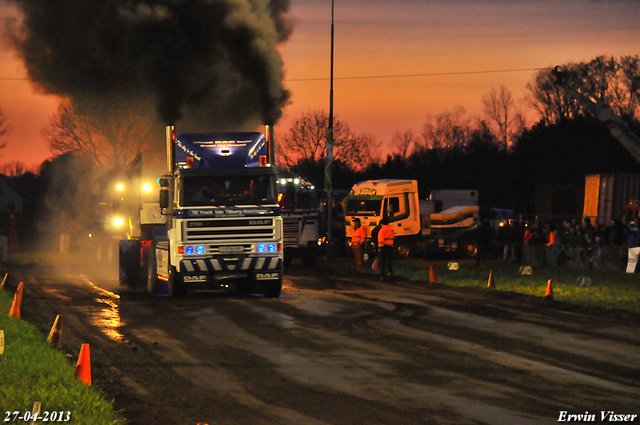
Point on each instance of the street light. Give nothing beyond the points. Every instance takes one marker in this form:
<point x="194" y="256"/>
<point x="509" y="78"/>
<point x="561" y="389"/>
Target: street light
<point x="328" y="186"/>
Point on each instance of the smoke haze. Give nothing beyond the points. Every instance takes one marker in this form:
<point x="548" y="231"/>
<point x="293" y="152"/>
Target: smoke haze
<point x="207" y="64"/>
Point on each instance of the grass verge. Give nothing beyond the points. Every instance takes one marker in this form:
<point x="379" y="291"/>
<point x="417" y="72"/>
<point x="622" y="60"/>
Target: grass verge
<point x="609" y="290"/>
<point x="31" y="369"/>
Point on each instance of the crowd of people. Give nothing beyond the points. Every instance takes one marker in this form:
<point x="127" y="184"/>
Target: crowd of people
<point x="573" y="241"/>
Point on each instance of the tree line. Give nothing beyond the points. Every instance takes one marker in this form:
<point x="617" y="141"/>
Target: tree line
<point x="497" y="153"/>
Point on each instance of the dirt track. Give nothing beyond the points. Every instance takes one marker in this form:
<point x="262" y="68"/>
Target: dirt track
<point x="341" y="350"/>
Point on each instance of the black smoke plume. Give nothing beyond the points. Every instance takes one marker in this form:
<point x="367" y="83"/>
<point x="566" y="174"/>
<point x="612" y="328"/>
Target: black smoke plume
<point x="212" y="63"/>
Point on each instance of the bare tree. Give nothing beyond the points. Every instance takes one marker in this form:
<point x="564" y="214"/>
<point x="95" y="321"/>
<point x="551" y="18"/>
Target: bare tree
<point x="308" y="136"/>
<point x="548" y="99"/>
<point x="403" y="142"/>
<point x="110" y="135"/>
<point x="628" y="93"/>
<point x="504" y="116"/>
<point x="448" y="129"/>
<point x="15" y="169"/>
<point x="68" y="132"/>
<point x="367" y="153"/>
<point x="614" y="82"/>
<point x="5" y="128"/>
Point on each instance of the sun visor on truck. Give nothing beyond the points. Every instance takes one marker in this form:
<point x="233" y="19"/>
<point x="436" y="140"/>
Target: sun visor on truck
<point x="220" y="151"/>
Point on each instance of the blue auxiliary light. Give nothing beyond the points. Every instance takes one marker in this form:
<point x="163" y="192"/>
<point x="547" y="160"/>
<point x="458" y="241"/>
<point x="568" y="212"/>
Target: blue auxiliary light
<point x="200" y="249"/>
<point x="271" y="247"/>
<point x="188" y="250"/>
<point x="261" y="247"/>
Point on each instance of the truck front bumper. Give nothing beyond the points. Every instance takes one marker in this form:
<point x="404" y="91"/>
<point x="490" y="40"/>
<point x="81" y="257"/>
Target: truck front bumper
<point x="220" y="273"/>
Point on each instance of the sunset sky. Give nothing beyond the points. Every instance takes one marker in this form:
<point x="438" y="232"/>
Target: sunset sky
<point x="396" y="62"/>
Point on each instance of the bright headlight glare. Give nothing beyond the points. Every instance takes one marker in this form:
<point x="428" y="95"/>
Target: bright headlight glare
<point x="118" y="221"/>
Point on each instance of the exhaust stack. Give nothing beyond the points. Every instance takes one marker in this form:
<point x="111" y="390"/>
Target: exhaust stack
<point x="271" y="146"/>
<point x="169" y="139"/>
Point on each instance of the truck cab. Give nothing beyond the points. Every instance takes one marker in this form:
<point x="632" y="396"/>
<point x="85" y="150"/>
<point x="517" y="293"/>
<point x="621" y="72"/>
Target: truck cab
<point x="301" y="219"/>
<point x="220" y="225"/>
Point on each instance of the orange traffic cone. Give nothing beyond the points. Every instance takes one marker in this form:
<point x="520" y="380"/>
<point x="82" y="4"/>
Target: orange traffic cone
<point x="5" y="281"/>
<point x="549" y="294"/>
<point x="491" y="284"/>
<point x="432" y="275"/>
<point x="55" y="335"/>
<point x="83" y="367"/>
<point x="17" y="301"/>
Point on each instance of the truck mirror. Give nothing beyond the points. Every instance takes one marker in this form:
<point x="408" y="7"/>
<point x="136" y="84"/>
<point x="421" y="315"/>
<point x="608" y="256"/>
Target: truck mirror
<point x="164" y="182"/>
<point x="164" y="198"/>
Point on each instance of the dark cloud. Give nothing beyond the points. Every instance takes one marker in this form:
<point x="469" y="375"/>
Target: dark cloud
<point x="209" y="61"/>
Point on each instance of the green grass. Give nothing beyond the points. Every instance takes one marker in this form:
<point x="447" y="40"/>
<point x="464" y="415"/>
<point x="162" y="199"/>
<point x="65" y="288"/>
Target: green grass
<point x="611" y="290"/>
<point x="32" y="369"/>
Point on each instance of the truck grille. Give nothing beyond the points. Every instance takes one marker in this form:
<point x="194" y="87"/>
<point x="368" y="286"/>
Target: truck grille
<point x="291" y="229"/>
<point x="229" y="229"/>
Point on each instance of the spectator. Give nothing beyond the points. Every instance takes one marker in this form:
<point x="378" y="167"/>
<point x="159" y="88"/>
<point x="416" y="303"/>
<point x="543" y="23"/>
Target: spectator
<point x="386" y="238"/>
<point x="588" y="230"/>
<point x="633" y="234"/>
<point x="633" y="243"/>
<point x="358" y="238"/>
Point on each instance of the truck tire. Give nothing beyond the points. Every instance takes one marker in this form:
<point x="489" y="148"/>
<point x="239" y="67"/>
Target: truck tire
<point x="131" y="274"/>
<point x="468" y="246"/>
<point x="152" y="274"/>
<point x="177" y="287"/>
<point x="272" y="289"/>
<point x="403" y="249"/>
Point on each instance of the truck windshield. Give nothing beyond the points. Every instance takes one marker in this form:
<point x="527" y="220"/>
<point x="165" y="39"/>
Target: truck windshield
<point x="362" y="206"/>
<point x="292" y="200"/>
<point x="227" y="190"/>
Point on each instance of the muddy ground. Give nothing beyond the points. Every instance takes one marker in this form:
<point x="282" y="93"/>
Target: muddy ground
<point x="340" y="350"/>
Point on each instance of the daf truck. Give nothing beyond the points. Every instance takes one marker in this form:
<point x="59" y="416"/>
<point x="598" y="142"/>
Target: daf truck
<point x="216" y="225"/>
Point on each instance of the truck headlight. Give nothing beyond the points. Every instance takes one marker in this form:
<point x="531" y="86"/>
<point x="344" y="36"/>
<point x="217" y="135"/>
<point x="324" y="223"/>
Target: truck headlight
<point x="261" y="247"/>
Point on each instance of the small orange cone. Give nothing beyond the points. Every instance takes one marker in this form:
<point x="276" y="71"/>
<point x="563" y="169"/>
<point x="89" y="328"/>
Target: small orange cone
<point x="55" y="335"/>
<point x="5" y="281"/>
<point x="491" y="284"/>
<point x="549" y="294"/>
<point x="432" y="275"/>
<point x="17" y="301"/>
<point x="83" y="367"/>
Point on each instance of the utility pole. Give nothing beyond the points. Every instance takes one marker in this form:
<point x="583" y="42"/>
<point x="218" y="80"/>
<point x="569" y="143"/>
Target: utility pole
<point x="328" y="186"/>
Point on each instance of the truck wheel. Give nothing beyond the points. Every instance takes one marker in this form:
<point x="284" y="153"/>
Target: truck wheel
<point x="152" y="274"/>
<point x="272" y="289"/>
<point x="403" y="249"/>
<point x="177" y="287"/>
<point x="468" y="246"/>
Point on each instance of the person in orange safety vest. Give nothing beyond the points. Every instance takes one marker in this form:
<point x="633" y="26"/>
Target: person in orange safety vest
<point x="358" y="238"/>
<point x="386" y="236"/>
